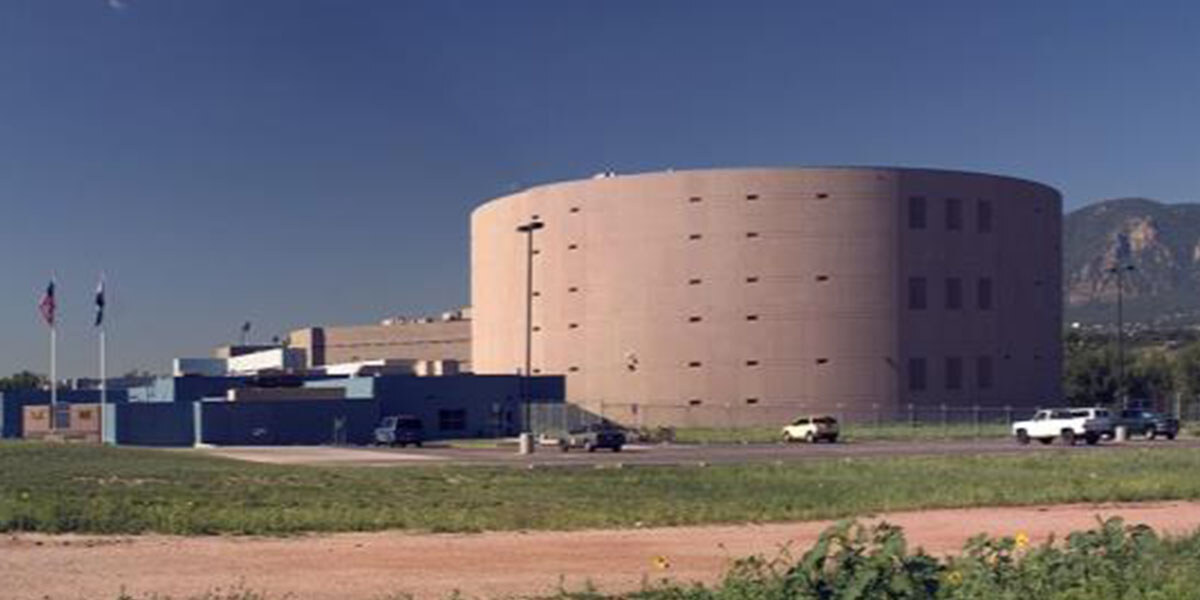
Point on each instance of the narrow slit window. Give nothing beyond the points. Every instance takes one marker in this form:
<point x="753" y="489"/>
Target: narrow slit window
<point x="916" y="293"/>
<point x="752" y="196"/>
<point x="573" y="326"/>
<point x="751" y="317"/>
<point x="954" y="373"/>
<point x="954" y="214"/>
<point x="822" y="361"/>
<point x="573" y="247"/>
<point x="694" y="282"/>
<point x="751" y="280"/>
<point x="751" y="400"/>
<point x="694" y="236"/>
<point x="822" y="196"/>
<point x="574" y="209"/>
<point x="916" y="374"/>
<point x="695" y="319"/>
<point x="752" y="363"/>
<point x="695" y="199"/>
<point x="694" y="364"/>
<point x="916" y="212"/>
<point x="983" y="216"/>
<point x="822" y="278"/>
<point x="572" y="289"/>
<point x="695" y="402"/>
<point x="751" y="234"/>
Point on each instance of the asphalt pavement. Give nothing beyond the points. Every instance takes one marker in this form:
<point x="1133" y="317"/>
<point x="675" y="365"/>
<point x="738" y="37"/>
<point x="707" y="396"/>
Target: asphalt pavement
<point x="664" y="454"/>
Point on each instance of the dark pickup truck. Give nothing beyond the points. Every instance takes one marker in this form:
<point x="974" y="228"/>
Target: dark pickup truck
<point x="1146" y="423"/>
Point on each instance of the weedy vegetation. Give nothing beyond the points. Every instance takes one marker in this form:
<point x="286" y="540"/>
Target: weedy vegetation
<point x="88" y="489"/>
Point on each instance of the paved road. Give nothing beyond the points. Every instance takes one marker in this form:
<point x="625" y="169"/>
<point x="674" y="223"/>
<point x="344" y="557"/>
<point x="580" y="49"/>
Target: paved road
<point x="667" y="454"/>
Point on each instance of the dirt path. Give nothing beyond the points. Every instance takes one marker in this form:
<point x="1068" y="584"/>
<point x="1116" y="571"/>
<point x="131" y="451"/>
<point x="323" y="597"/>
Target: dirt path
<point x="370" y="565"/>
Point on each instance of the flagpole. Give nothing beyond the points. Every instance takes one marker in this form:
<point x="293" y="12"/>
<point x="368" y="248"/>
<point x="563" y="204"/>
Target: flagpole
<point x="53" y="375"/>
<point x="103" y="384"/>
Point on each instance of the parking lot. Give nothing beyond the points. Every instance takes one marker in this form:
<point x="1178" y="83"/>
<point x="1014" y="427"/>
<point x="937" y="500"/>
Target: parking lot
<point x="657" y="454"/>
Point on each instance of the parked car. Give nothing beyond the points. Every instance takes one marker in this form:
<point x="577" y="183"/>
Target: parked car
<point x="1147" y="423"/>
<point x="594" y="436"/>
<point x="1067" y="424"/>
<point x="400" y="430"/>
<point x="812" y="430"/>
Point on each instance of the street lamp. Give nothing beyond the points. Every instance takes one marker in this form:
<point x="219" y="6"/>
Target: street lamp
<point x="528" y="229"/>
<point x="1120" y="271"/>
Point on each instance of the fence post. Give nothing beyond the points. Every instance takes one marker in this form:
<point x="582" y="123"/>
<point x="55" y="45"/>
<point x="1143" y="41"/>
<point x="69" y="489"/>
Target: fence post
<point x="912" y="415"/>
<point x="945" y="421"/>
<point x="875" y="407"/>
<point x="1008" y="414"/>
<point x="978" y="425"/>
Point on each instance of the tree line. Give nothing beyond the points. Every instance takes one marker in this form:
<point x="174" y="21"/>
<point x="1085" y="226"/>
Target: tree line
<point x="1156" y="369"/>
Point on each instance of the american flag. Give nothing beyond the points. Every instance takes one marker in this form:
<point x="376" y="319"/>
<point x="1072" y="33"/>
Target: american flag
<point x="47" y="305"/>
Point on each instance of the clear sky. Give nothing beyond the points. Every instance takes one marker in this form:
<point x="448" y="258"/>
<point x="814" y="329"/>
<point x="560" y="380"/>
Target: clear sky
<point x="293" y="162"/>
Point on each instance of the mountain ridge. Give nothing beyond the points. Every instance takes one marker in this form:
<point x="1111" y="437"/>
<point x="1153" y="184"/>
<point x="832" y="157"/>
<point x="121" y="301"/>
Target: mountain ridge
<point x="1160" y="241"/>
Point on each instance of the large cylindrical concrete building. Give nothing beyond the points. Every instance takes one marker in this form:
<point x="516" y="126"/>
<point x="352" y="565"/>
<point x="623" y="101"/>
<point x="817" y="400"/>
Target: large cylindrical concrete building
<point x="710" y="296"/>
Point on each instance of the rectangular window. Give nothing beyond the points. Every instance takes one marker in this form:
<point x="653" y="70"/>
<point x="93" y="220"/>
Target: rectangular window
<point x="983" y="293"/>
<point x="954" y="373"/>
<point x="983" y="372"/>
<point x="916" y="374"/>
<point x="953" y="214"/>
<point x="916" y="212"/>
<point x="953" y="293"/>
<point x="752" y="196"/>
<point x="694" y="236"/>
<point x="983" y="216"/>
<point x="452" y="420"/>
<point x="916" y="293"/>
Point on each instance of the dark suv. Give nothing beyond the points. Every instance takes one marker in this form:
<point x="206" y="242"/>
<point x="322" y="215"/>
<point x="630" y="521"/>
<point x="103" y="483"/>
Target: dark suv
<point x="1149" y="424"/>
<point x="400" y="430"/>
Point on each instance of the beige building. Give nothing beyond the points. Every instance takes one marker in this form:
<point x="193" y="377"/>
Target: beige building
<point x="443" y="339"/>
<point x="814" y="289"/>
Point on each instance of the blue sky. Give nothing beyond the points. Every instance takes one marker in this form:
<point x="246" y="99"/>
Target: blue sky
<point x="301" y="162"/>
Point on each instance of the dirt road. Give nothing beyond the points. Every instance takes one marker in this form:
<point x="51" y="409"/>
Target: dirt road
<point x="371" y="565"/>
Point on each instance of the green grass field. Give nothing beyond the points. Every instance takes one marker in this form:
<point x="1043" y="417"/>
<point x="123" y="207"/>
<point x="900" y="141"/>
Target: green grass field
<point x="75" y="488"/>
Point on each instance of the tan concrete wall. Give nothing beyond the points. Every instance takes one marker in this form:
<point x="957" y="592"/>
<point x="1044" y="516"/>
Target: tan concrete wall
<point x="769" y="287"/>
<point x="84" y="423"/>
<point x="438" y="340"/>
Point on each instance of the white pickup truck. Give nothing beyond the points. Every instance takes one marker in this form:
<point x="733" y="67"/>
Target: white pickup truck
<point x="1068" y="424"/>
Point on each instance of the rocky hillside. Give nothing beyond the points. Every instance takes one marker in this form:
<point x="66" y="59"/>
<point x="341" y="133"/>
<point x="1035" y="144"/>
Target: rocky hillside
<point x="1160" y="241"/>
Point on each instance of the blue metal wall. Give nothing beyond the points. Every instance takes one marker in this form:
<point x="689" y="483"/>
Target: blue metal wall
<point x="154" y="423"/>
<point x="308" y="422"/>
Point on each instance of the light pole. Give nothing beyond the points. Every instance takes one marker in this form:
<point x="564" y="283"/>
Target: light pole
<point x="528" y="229"/>
<point x="1120" y="271"/>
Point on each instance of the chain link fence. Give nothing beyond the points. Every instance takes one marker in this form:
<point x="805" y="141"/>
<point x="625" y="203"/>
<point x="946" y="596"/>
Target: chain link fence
<point x="764" y="421"/>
